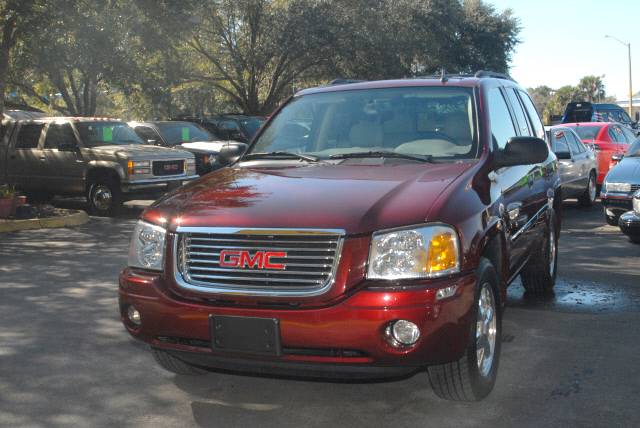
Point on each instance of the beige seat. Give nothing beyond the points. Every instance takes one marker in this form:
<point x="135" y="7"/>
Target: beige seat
<point x="457" y="126"/>
<point x="366" y="134"/>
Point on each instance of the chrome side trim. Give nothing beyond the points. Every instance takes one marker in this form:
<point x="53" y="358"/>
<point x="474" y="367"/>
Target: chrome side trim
<point x="532" y="220"/>
<point x="257" y="290"/>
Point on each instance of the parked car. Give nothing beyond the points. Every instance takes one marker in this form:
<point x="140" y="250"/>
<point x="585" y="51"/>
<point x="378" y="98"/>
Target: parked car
<point x="233" y="126"/>
<point x="609" y="141"/>
<point x="620" y="184"/>
<point x="584" y="111"/>
<point x="630" y="221"/>
<point x="376" y="243"/>
<point x="578" y="166"/>
<point x="183" y="135"/>
<point x="102" y="159"/>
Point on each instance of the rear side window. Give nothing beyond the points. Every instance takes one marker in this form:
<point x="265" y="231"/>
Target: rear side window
<point x="29" y="135"/>
<point x="576" y="146"/>
<point x="502" y="128"/>
<point x="616" y="135"/>
<point x="559" y="141"/>
<point x="521" y="118"/>
<point x="534" y="117"/>
<point x="146" y="134"/>
<point x="59" y="134"/>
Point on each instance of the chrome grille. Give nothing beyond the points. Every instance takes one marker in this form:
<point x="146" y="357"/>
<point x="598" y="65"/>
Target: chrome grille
<point x="635" y="188"/>
<point x="257" y="261"/>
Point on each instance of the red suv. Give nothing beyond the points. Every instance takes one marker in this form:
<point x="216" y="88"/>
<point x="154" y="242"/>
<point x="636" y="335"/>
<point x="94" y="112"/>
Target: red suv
<point x="370" y="230"/>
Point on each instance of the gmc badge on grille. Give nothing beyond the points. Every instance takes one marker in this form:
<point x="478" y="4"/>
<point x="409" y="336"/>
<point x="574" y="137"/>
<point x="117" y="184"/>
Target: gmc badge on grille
<point x="244" y="259"/>
<point x="171" y="167"/>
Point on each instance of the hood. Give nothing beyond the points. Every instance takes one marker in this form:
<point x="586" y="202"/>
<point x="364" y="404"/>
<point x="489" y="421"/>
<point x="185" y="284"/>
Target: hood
<point x="203" y="146"/>
<point x="357" y="198"/>
<point x="141" y="152"/>
<point x="627" y="171"/>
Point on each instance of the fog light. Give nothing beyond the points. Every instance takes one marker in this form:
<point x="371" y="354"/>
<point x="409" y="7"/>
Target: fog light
<point x="134" y="316"/>
<point x="445" y="292"/>
<point x="402" y="333"/>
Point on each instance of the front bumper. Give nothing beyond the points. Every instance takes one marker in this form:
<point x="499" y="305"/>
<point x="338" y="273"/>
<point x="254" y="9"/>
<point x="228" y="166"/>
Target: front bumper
<point x="616" y="203"/>
<point x="346" y="338"/>
<point x="629" y="223"/>
<point x="156" y="184"/>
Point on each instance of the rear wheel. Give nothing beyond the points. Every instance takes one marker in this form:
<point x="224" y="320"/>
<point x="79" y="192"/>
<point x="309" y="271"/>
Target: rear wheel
<point x="539" y="275"/>
<point x="588" y="197"/>
<point x="175" y="365"/>
<point x="104" y="197"/>
<point x="473" y="376"/>
<point x="611" y="220"/>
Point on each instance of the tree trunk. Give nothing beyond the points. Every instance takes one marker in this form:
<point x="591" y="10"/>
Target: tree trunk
<point x="4" y="68"/>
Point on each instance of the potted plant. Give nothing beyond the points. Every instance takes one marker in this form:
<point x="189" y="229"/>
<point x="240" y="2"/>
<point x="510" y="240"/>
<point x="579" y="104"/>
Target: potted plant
<point x="7" y="201"/>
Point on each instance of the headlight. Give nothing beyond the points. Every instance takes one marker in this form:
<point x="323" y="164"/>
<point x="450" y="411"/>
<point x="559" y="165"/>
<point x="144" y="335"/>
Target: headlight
<point x="190" y="166"/>
<point x="147" y="246"/>
<point x="618" y="187"/>
<point x="139" y="167"/>
<point x="422" y="252"/>
<point x="636" y="202"/>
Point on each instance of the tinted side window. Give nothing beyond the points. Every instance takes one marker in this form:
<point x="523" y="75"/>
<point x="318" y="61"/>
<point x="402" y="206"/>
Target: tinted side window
<point x="146" y="133"/>
<point x="576" y="146"/>
<point x="629" y="135"/>
<point x="502" y="128"/>
<point x="559" y="141"/>
<point x="534" y="117"/>
<point x="59" y="134"/>
<point x="228" y="125"/>
<point x="521" y="118"/>
<point x="616" y="134"/>
<point x="29" y="135"/>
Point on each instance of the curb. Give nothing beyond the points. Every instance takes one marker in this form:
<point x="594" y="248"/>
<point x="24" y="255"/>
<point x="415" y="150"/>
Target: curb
<point x="75" y="218"/>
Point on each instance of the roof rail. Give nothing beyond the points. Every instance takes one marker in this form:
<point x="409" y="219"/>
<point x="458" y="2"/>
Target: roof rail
<point x="495" y="75"/>
<point x="345" y="81"/>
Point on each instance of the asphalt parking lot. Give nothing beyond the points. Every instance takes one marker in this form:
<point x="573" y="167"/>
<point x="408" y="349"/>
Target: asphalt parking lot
<point x="65" y="360"/>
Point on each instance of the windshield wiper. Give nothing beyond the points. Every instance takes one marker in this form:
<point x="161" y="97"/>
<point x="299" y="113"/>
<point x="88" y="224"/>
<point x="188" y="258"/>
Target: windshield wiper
<point x="308" y="158"/>
<point x="382" y="154"/>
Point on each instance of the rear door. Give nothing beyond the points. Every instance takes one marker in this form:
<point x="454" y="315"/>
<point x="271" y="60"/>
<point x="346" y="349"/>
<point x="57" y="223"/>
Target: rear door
<point x="65" y="163"/>
<point x="26" y="162"/>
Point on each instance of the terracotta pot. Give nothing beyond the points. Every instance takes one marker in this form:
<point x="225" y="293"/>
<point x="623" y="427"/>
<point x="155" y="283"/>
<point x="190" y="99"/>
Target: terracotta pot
<point x="7" y="207"/>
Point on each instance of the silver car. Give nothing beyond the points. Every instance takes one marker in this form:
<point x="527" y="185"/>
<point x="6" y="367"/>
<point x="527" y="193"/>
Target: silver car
<point x="102" y="159"/>
<point x="577" y="163"/>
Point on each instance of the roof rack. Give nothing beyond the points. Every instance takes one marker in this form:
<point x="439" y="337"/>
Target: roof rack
<point x="495" y="75"/>
<point x="345" y="81"/>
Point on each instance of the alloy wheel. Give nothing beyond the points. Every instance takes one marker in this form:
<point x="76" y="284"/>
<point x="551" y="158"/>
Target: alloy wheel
<point x="486" y="329"/>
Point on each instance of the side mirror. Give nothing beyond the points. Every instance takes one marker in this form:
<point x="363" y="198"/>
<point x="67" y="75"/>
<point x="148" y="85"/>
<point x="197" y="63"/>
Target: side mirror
<point x="563" y="155"/>
<point x="522" y="151"/>
<point x="67" y="147"/>
<point x="617" y="157"/>
<point x="231" y="152"/>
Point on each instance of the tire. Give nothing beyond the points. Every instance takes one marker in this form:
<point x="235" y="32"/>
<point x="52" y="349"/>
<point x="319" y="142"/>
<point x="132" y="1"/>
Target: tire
<point x="539" y="274"/>
<point x="589" y="195"/>
<point x="464" y="380"/>
<point x="611" y="221"/>
<point x="175" y="365"/>
<point x="104" y="197"/>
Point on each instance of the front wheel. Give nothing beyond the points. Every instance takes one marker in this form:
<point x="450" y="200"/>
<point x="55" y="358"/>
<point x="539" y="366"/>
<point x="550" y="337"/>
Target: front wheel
<point x="588" y="197"/>
<point x="473" y="376"/>
<point x="104" y="197"/>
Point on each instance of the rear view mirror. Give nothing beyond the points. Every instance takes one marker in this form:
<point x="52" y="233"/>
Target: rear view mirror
<point x="563" y="155"/>
<point x="231" y="152"/>
<point x="522" y="151"/>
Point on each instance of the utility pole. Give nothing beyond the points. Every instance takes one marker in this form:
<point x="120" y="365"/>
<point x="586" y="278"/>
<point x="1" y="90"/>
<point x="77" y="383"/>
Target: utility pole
<point x="628" y="45"/>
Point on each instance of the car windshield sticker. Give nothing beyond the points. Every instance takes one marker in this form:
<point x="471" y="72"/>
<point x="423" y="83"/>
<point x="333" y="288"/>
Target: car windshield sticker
<point x="185" y="134"/>
<point x="107" y="134"/>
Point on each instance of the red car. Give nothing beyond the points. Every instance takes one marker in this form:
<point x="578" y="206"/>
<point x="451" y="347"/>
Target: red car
<point x="609" y="140"/>
<point x="371" y="229"/>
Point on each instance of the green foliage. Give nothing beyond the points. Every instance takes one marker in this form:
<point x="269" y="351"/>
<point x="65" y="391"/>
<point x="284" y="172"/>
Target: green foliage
<point x="159" y="58"/>
<point x="7" y="192"/>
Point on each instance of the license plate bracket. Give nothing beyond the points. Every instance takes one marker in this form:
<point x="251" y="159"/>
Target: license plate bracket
<point x="245" y="334"/>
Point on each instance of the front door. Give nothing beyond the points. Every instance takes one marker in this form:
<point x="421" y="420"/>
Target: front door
<point x="65" y="162"/>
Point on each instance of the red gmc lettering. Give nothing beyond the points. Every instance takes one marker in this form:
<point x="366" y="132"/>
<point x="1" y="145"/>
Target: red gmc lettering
<point x="243" y="258"/>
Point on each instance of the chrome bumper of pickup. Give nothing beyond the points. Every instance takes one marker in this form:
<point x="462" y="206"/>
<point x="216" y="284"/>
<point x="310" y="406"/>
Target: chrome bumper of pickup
<point x="156" y="183"/>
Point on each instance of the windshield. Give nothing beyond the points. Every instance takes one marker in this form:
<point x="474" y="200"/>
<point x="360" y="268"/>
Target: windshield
<point x="587" y="132"/>
<point x="93" y="134"/>
<point x="424" y="121"/>
<point x="251" y="125"/>
<point x="634" y="150"/>
<point x="183" y="132"/>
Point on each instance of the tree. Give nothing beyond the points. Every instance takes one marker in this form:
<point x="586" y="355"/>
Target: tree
<point x="16" y="18"/>
<point x="592" y="89"/>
